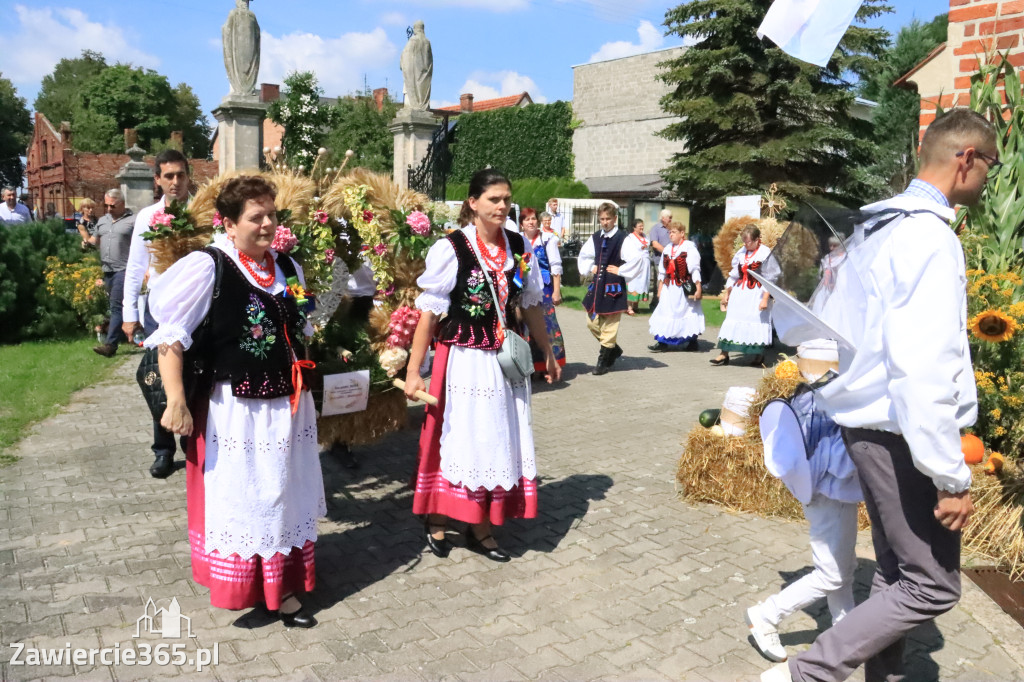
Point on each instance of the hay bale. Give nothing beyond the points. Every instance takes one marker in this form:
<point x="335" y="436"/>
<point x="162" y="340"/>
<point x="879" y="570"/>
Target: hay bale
<point x="730" y="470"/>
<point x="997" y="529"/>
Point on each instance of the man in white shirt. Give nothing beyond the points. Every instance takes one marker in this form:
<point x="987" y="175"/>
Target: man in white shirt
<point x="10" y="210"/>
<point x="907" y="392"/>
<point x="171" y="171"/>
<point x="558" y="222"/>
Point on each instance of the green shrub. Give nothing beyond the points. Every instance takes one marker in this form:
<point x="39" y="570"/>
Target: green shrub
<point x="524" y="142"/>
<point x="26" y="309"/>
<point x="532" y="192"/>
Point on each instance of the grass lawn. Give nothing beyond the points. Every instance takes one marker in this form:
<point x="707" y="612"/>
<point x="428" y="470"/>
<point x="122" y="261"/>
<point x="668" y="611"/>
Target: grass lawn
<point x="572" y="297"/>
<point x="37" y="378"/>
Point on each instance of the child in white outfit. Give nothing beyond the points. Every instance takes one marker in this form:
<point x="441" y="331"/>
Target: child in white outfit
<point x="826" y="485"/>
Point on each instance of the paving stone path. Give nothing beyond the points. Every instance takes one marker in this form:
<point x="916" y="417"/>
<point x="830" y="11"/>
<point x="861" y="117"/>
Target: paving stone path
<point x="617" y="579"/>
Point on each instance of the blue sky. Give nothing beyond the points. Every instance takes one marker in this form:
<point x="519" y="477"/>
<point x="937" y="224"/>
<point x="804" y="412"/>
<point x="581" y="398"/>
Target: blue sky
<point x="488" y="47"/>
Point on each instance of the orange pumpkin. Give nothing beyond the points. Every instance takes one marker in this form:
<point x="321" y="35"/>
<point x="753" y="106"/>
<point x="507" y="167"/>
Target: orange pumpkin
<point x="973" y="448"/>
<point x="994" y="464"/>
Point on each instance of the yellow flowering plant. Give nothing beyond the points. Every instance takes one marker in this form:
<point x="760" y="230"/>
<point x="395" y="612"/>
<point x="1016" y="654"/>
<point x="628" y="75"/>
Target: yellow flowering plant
<point x="995" y="324"/>
<point x="80" y="285"/>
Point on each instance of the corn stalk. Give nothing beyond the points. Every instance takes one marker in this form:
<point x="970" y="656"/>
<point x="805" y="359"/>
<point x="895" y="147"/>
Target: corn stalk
<point x="998" y="219"/>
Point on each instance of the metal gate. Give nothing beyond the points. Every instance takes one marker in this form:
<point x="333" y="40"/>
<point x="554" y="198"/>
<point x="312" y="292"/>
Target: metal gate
<point x="431" y="178"/>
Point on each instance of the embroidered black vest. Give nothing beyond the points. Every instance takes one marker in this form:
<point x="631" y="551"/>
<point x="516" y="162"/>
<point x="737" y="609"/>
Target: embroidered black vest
<point x="606" y="294"/>
<point x="676" y="271"/>
<point x="472" y="321"/>
<point x="246" y="341"/>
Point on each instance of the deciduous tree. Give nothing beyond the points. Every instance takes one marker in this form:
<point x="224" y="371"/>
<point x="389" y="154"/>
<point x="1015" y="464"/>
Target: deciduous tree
<point x="62" y="88"/>
<point x="15" y="133"/>
<point x="360" y="127"/>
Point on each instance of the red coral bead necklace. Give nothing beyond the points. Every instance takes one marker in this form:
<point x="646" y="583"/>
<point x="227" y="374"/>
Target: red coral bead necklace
<point x="267" y="273"/>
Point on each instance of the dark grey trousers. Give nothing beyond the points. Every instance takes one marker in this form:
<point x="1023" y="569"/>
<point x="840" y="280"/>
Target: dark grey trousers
<point x="918" y="576"/>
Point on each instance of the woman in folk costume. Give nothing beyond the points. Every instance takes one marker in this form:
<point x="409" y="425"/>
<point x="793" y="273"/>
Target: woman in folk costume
<point x="549" y="261"/>
<point x="254" y="485"/>
<point x="679" y="317"/>
<point x="476" y="454"/>
<point x="636" y="245"/>
<point x="747" y="328"/>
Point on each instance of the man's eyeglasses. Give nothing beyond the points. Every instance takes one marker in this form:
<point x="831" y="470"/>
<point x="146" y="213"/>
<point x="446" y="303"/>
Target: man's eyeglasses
<point x="993" y="162"/>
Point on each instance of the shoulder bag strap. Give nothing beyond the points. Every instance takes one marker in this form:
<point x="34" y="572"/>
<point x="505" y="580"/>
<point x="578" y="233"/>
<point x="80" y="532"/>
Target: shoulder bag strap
<point x="490" y="284"/>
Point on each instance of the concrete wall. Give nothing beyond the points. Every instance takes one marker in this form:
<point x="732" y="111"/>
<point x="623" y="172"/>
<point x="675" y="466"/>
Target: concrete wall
<point x="617" y="102"/>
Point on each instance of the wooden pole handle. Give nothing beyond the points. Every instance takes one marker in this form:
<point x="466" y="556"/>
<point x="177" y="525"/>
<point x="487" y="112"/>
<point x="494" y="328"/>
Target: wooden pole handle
<point x="422" y="396"/>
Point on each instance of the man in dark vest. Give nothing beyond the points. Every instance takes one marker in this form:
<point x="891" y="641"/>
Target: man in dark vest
<point x="606" y="297"/>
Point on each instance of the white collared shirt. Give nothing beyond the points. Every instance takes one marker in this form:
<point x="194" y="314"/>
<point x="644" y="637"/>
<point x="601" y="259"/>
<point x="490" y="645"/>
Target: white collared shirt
<point x="911" y="373"/>
<point x="139" y="263"/>
<point x="18" y="214"/>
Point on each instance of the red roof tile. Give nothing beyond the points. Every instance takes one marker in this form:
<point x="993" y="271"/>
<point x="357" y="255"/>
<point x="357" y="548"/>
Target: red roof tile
<point x="488" y="104"/>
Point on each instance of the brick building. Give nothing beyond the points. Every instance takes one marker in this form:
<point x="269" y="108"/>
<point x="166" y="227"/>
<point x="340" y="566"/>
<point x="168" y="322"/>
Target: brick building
<point x="979" y="30"/>
<point x="59" y="177"/>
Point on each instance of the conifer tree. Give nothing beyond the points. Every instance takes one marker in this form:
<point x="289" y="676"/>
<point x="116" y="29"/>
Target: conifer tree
<point x="751" y="115"/>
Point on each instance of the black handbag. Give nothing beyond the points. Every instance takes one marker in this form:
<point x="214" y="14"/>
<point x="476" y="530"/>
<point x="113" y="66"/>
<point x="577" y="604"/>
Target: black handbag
<point x="689" y="288"/>
<point x="195" y="375"/>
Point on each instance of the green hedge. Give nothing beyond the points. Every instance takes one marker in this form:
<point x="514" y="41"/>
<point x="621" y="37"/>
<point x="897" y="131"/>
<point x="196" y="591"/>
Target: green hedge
<point x="528" y="142"/>
<point x="533" y="192"/>
<point x="26" y="309"/>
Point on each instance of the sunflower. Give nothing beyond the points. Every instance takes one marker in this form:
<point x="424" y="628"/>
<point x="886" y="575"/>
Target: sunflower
<point x="993" y="325"/>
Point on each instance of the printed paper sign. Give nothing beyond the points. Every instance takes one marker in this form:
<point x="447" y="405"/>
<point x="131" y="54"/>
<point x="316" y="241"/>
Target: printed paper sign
<point x="740" y="207"/>
<point x="345" y="393"/>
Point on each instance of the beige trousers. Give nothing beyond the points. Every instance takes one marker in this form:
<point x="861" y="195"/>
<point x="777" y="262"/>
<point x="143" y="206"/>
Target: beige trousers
<point x="605" y="329"/>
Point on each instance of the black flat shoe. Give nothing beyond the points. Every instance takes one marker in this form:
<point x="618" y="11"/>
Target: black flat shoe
<point x="439" y="548"/>
<point x="720" y="360"/>
<point x="495" y="554"/>
<point x="657" y="347"/>
<point x="692" y="345"/>
<point x="298" y="619"/>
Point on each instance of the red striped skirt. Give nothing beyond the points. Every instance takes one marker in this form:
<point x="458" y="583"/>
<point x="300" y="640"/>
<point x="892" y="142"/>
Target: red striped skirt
<point x="434" y="494"/>
<point x="234" y="582"/>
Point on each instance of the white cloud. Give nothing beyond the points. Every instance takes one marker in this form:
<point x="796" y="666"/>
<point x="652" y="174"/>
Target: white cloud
<point x="650" y="38"/>
<point x="38" y="38"/>
<point x="394" y="19"/>
<point x="339" y="63"/>
<point x="492" y="84"/>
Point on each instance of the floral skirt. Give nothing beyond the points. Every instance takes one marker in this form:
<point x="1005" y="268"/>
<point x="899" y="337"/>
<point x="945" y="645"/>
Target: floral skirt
<point x="554" y="334"/>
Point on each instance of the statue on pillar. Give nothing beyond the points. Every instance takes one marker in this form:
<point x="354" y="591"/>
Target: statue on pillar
<point x="417" y="69"/>
<point x="241" y="38"/>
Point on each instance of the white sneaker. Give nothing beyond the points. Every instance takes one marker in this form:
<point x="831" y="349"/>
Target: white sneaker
<point x="766" y="637"/>
<point x="777" y="673"/>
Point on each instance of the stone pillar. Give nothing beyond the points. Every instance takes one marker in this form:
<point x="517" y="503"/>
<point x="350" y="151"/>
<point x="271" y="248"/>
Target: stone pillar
<point x="240" y="132"/>
<point x="136" y="178"/>
<point x="412" y="129"/>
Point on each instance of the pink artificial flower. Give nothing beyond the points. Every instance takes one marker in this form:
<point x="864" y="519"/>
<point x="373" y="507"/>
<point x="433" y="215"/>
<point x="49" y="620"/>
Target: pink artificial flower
<point x="321" y="217"/>
<point x="218" y="220"/>
<point x="380" y="249"/>
<point x="284" y="240"/>
<point x="160" y="218"/>
<point x="329" y="256"/>
<point x="390" y="291"/>
<point x="257" y="331"/>
<point x="99" y="282"/>
<point x="367" y="216"/>
<point x="419" y="222"/>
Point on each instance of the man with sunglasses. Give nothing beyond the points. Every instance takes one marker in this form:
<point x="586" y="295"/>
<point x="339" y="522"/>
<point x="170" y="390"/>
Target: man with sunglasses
<point x="113" y="236"/>
<point x="901" y="401"/>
